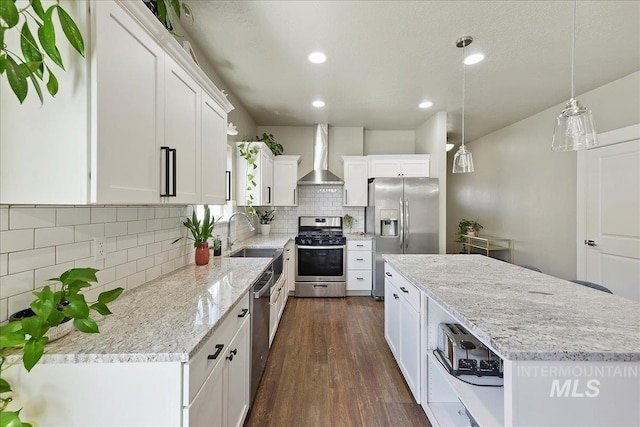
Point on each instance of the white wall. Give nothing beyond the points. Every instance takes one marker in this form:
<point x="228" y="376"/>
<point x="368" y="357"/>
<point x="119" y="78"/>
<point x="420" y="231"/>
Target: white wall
<point x="344" y="141"/>
<point x="389" y="142"/>
<point x="431" y="138"/>
<point x="524" y="191"/>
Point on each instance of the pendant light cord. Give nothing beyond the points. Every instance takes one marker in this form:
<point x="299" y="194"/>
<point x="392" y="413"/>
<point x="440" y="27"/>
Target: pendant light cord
<point x="573" y="46"/>
<point x="463" y="86"/>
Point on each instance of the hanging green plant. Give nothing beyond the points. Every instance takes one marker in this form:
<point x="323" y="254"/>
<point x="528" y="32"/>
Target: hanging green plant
<point x="31" y="62"/>
<point x="169" y="12"/>
<point x="270" y="142"/>
<point x="249" y="152"/>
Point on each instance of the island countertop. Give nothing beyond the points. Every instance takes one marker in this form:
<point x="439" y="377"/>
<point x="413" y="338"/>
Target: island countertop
<point x="526" y="315"/>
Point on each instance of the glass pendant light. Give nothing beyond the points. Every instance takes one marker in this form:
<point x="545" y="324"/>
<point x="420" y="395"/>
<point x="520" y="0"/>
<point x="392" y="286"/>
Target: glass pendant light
<point x="574" y="128"/>
<point x="463" y="161"/>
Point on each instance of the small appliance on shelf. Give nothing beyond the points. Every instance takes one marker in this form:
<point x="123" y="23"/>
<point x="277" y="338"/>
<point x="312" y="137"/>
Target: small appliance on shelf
<point x="464" y="354"/>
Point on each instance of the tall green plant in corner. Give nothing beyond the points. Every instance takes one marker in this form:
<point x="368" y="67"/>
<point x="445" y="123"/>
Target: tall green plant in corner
<point x="32" y="62"/>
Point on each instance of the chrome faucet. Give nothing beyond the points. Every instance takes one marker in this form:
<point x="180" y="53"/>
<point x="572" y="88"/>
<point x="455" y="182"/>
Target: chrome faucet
<point x="251" y="227"/>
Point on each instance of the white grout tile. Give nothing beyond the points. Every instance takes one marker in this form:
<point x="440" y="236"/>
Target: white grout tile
<point x="168" y="267"/>
<point x="121" y="283"/>
<point x="106" y="275"/>
<point x="4" y="315"/>
<point x="72" y="252"/>
<point x="125" y="270"/>
<point x="146" y="238"/>
<point x="146" y="213"/>
<point x="126" y="242"/>
<point x="169" y="223"/>
<point x="154" y="248"/>
<point x="72" y="216"/>
<point x="15" y="284"/>
<point x="4" y="264"/>
<point x="154" y="224"/>
<point x="153" y="273"/>
<point x="24" y="217"/>
<point x="16" y="240"/>
<point x="144" y="263"/>
<point x="115" y="229"/>
<point x="42" y="275"/>
<point x="177" y="212"/>
<point x="31" y="259"/>
<point x="4" y="217"/>
<point x="99" y="215"/>
<point x="112" y="244"/>
<point x="89" y="263"/>
<point x="88" y="232"/>
<point x="127" y="214"/>
<point x="134" y="227"/>
<point x="115" y="258"/>
<point x="53" y="236"/>
<point x="136" y="253"/>
<point x="162" y="212"/>
<point x="19" y="302"/>
<point x="136" y="280"/>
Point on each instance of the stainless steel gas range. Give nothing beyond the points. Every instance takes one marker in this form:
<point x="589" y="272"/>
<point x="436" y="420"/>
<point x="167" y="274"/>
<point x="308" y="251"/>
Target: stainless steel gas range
<point x="321" y="268"/>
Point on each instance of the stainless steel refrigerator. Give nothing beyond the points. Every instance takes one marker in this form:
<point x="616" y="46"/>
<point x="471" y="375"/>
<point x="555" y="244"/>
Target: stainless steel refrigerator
<point x="403" y="215"/>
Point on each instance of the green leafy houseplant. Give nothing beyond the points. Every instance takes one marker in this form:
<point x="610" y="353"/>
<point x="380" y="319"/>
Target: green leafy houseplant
<point x="168" y="12"/>
<point x="266" y="216"/>
<point x="270" y="142"/>
<point x="201" y="231"/>
<point x="249" y="152"/>
<point x="348" y="221"/>
<point x="31" y="63"/>
<point x="466" y="225"/>
<point x="25" y="338"/>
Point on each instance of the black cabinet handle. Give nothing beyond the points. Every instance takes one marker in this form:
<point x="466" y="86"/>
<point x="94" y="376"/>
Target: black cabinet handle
<point x="388" y="274"/>
<point x="403" y="289"/>
<point x="268" y="194"/>
<point x="215" y="355"/>
<point x="294" y="196"/>
<point x="359" y="259"/>
<point x="231" y="354"/>
<point x="396" y="296"/>
<point x="228" y="173"/>
<point x="244" y="312"/>
<point x="175" y="172"/>
<point x="166" y="171"/>
<point x="360" y="278"/>
<point x="360" y="246"/>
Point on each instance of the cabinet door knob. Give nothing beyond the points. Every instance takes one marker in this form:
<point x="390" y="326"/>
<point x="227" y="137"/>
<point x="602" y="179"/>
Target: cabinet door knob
<point x="244" y="312"/>
<point x="403" y="289"/>
<point x="231" y="354"/>
<point x="215" y="355"/>
<point x="388" y="274"/>
<point x="396" y="296"/>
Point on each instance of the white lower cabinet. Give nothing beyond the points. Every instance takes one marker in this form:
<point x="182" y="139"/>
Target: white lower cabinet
<point x="359" y="267"/>
<point x="289" y="269"/>
<point x="402" y="326"/>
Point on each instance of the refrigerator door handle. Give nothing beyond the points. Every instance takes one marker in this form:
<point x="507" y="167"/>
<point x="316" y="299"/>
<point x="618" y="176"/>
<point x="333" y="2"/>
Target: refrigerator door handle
<point x="406" y="223"/>
<point x="401" y="223"/>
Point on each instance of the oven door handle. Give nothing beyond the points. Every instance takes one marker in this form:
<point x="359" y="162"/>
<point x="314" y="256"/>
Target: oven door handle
<point x="322" y="247"/>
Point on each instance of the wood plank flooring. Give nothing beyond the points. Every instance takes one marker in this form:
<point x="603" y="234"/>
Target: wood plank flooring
<point x="330" y="365"/>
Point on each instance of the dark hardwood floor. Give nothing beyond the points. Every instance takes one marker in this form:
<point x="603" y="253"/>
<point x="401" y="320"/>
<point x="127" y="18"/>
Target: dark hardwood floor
<point x="330" y="365"/>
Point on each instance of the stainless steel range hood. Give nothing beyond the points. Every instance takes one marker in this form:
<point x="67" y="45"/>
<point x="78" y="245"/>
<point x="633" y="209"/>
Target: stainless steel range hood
<point x="320" y="175"/>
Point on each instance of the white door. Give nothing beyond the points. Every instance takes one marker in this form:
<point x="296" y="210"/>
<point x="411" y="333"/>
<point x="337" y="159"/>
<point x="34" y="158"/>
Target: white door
<point x="612" y="219"/>
<point x="355" y="183"/>
<point x="238" y="378"/>
<point x="214" y="152"/>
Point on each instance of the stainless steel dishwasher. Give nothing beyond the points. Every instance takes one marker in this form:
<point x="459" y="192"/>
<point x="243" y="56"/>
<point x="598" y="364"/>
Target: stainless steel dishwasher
<point x="260" y="320"/>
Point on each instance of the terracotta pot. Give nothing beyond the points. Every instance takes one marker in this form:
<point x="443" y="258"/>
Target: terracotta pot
<point x="202" y="254"/>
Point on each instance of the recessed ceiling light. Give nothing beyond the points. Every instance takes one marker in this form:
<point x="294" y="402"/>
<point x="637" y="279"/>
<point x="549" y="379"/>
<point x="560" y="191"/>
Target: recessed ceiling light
<point x="317" y="57"/>
<point x="473" y="59"/>
<point x="425" y="104"/>
<point x="318" y="104"/>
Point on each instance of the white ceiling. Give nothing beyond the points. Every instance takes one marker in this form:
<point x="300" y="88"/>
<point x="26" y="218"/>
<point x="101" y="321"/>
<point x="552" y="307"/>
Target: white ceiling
<point x="384" y="57"/>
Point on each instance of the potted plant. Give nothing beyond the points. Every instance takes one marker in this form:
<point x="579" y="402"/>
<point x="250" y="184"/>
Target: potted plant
<point x="217" y="246"/>
<point x="467" y="227"/>
<point x="270" y="142"/>
<point x="26" y="335"/>
<point x="265" y="217"/>
<point x="201" y="232"/>
<point x="348" y="221"/>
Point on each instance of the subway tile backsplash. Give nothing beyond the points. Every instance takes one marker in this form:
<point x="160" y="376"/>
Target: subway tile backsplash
<point x="312" y="201"/>
<point x="40" y="242"/>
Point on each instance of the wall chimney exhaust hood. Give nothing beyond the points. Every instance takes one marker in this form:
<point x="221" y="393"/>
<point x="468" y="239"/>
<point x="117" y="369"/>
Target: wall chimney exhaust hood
<point x="320" y="175"/>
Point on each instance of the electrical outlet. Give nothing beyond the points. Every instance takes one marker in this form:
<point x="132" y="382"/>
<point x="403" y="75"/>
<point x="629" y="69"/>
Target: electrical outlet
<point x="99" y="248"/>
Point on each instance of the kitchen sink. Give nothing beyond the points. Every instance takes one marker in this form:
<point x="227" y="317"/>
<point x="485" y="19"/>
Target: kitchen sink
<point x="253" y="253"/>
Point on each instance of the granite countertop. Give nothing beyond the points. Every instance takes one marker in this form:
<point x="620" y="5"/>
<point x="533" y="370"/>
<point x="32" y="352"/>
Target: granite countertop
<point x="167" y="319"/>
<point x="526" y="315"/>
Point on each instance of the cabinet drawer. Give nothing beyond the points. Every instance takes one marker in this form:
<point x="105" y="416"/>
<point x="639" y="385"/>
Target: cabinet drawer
<point x="200" y="365"/>
<point x="359" y="245"/>
<point x="359" y="280"/>
<point x="407" y="290"/>
<point x="359" y="260"/>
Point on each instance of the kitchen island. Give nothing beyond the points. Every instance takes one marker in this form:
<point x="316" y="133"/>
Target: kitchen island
<point x="153" y="355"/>
<point x="571" y="355"/>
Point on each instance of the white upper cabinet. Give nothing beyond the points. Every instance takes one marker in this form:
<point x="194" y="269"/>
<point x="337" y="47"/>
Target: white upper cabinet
<point x="214" y="152"/>
<point x="126" y="126"/>
<point x="262" y="175"/>
<point x="406" y="166"/>
<point x="355" y="181"/>
<point x="285" y="180"/>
